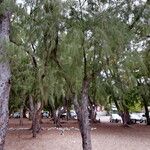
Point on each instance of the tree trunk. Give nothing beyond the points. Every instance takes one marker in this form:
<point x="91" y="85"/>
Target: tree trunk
<point x="55" y="114"/>
<point x="67" y="109"/>
<point x="83" y="117"/>
<point x="68" y="114"/>
<point x="146" y="110"/>
<point x="36" y="125"/>
<point x="56" y="118"/>
<point x="116" y="103"/>
<point x="4" y="76"/>
<point x="24" y="112"/>
<point x="36" y="118"/>
<point x="84" y="123"/>
<point x="126" y="118"/>
<point x="31" y="110"/>
<point x="93" y="114"/>
<point x="2" y="146"/>
<point x="35" y="112"/>
<point x="21" y="116"/>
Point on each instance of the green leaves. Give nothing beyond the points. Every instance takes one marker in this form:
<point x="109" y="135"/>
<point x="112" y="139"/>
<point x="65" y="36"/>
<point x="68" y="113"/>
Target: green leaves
<point x="55" y="34"/>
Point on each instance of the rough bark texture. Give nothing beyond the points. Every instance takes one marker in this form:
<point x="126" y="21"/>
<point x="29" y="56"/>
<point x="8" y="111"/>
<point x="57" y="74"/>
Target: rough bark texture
<point x="83" y="117"/>
<point x="4" y="77"/>
<point x="126" y="118"/>
<point x="35" y="111"/>
<point x="36" y="125"/>
<point x="2" y="146"/>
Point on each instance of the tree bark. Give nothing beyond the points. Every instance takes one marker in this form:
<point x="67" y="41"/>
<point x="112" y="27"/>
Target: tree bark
<point x="126" y="118"/>
<point x="146" y="110"/>
<point x="24" y="112"/>
<point x="21" y="116"/>
<point x="83" y="117"/>
<point x="4" y="76"/>
<point x="36" y="125"/>
<point x="35" y="112"/>
<point x="31" y="107"/>
<point x="57" y="115"/>
<point x="92" y="112"/>
<point x="56" y="118"/>
<point x="2" y="146"/>
<point x="85" y="124"/>
<point x="116" y="103"/>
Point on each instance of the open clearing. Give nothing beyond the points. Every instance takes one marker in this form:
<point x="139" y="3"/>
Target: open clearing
<point x="105" y="136"/>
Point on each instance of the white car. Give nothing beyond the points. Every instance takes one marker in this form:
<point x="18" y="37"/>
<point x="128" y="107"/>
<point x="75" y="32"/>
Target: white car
<point x="16" y="115"/>
<point x="137" y="117"/>
<point x="143" y="116"/>
<point x="73" y="114"/>
<point x="115" y="118"/>
<point x="45" y="114"/>
<point x="98" y="115"/>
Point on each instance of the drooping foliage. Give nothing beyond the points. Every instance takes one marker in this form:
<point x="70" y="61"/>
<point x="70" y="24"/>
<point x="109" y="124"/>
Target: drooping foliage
<point x="52" y="36"/>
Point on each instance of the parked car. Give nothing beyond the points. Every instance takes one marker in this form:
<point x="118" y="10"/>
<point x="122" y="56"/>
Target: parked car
<point x="115" y="118"/>
<point x="137" y="117"/>
<point x="16" y="115"/>
<point x="98" y="115"/>
<point x="143" y="117"/>
<point x="63" y="115"/>
<point x="73" y="114"/>
<point x="45" y="114"/>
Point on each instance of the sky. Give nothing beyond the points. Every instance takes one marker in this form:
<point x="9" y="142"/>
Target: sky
<point x="20" y="1"/>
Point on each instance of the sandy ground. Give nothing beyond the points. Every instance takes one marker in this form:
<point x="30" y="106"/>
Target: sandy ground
<point x="105" y="136"/>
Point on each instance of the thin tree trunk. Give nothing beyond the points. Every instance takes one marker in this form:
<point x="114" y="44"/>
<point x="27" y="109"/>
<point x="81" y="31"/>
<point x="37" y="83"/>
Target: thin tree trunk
<point x="92" y="113"/>
<point x="146" y="110"/>
<point x="4" y="76"/>
<point x="24" y="112"/>
<point x="116" y="103"/>
<point x="21" y="116"/>
<point x="83" y="117"/>
<point x="84" y="123"/>
<point x="31" y="113"/>
<point x="67" y="108"/>
<point x="36" y="125"/>
<point x="145" y="102"/>
<point x="39" y="120"/>
<point x="56" y="116"/>
<point x="68" y="114"/>
<point x="92" y="109"/>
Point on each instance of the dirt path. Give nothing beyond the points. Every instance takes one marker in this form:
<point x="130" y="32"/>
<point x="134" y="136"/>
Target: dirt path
<point x="104" y="137"/>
